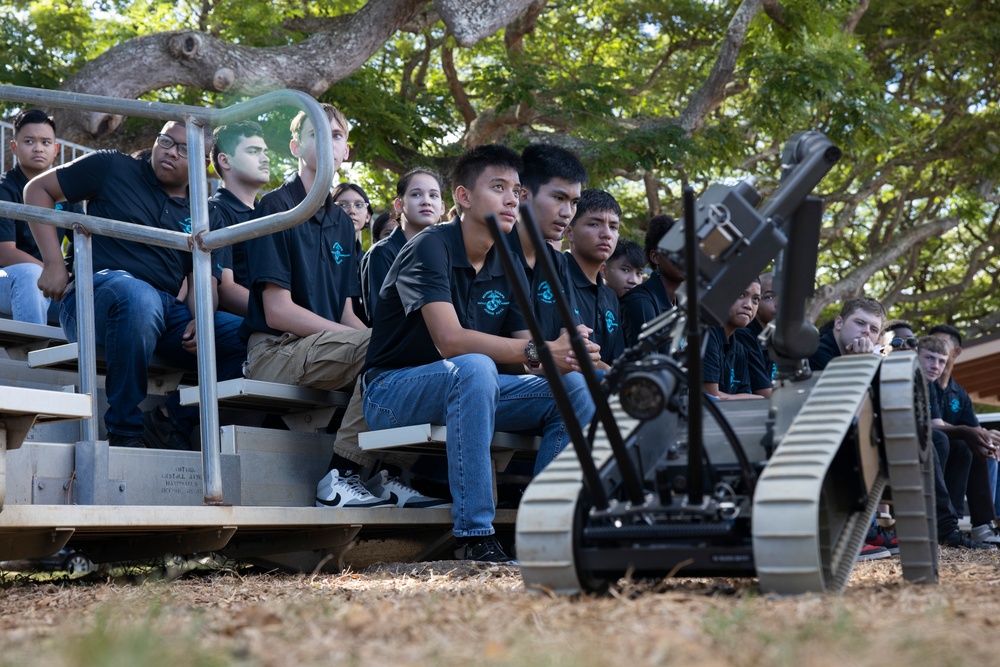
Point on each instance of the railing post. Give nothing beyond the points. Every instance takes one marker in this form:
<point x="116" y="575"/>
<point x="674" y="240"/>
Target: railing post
<point x="86" y="331"/>
<point x="204" y="316"/>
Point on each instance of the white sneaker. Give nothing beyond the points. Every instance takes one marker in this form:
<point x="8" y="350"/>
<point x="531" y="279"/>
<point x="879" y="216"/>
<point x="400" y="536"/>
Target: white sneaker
<point x="336" y="491"/>
<point x="986" y="533"/>
<point x="393" y="490"/>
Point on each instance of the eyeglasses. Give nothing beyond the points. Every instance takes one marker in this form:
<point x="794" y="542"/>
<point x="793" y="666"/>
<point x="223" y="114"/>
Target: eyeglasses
<point x="347" y="205"/>
<point x="909" y="342"/>
<point x="166" y="142"/>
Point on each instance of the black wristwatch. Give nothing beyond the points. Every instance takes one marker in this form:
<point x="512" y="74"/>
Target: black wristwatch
<point x="531" y="352"/>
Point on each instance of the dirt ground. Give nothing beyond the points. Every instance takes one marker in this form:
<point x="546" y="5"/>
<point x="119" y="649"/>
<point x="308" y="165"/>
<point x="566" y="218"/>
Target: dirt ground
<point x="453" y="613"/>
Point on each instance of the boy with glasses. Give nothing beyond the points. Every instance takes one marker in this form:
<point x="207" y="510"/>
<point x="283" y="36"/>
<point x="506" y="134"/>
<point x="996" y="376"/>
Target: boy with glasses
<point x="135" y="309"/>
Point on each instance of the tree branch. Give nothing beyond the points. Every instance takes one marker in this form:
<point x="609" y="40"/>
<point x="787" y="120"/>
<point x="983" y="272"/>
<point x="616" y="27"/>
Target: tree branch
<point x="455" y="86"/>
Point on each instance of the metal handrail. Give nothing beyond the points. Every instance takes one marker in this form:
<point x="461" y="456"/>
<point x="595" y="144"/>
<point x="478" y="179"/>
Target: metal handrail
<point x="200" y="241"/>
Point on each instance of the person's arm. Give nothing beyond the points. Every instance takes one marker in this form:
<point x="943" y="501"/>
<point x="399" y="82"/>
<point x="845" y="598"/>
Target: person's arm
<point x="452" y="340"/>
<point x="976" y="437"/>
<point x="283" y="314"/>
<point x="10" y="255"/>
<point x="44" y="191"/>
<point x="233" y="296"/>
<point x="349" y="318"/>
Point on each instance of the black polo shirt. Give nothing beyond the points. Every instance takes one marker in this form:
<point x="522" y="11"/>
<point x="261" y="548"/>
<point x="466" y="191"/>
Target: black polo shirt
<point x="433" y="268"/>
<point x="314" y="260"/>
<point x="953" y="404"/>
<point x="825" y="353"/>
<point x="641" y="304"/>
<point x="725" y="362"/>
<point x="375" y="267"/>
<point x="224" y="210"/>
<point x="120" y="187"/>
<point x="597" y="307"/>
<point x="759" y="366"/>
<point x="12" y="190"/>
<point x="543" y="301"/>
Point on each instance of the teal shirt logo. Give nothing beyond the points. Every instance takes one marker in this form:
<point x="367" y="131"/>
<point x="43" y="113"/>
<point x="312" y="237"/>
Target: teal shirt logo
<point x="609" y="321"/>
<point x="545" y="293"/>
<point x="338" y="253"/>
<point x="494" y="302"/>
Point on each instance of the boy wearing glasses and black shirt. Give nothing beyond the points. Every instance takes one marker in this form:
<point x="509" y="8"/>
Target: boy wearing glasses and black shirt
<point x="135" y="309"/>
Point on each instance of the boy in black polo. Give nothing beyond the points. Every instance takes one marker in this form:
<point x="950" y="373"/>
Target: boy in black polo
<point x="300" y="326"/>
<point x="136" y="312"/>
<point x="592" y="236"/>
<point x="35" y="147"/>
<point x="444" y="324"/>
<point x="551" y="181"/>
<point x="656" y="295"/>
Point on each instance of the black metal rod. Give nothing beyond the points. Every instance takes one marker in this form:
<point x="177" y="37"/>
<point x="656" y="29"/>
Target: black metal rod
<point x="696" y="473"/>
<point x="591" y="478"/>
<point x="631" y="482"/>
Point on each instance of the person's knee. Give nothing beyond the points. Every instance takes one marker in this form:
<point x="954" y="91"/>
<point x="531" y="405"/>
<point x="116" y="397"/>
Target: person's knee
<point x="579" y="394"/>
<point x="475" y="366"/>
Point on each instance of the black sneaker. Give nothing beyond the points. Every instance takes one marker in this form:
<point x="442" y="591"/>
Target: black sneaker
<point x="118" y="440"/>
<point x="485" y="550"/>
<point x="959" y="540"/>
<point x="162" y="434"/>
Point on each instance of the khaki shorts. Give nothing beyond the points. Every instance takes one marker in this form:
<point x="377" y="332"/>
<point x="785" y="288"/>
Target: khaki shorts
<point x="328" y="360"/>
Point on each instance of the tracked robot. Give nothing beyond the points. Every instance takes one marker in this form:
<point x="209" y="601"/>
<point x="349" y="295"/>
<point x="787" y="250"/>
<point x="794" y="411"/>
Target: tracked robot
<point x="667" y="482"/>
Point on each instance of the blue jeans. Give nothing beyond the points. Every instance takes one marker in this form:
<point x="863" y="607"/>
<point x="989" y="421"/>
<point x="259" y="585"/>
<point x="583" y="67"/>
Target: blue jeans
<point x="133" y="320"/>
<point x="472" y="399"/>
<point x="19" y="294"/>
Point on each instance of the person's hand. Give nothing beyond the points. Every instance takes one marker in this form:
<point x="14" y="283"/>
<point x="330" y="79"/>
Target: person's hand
<point x="979" y="440"/>
<point x="860" y="346"/>
<point x="562" y="350"/>
<point x="53" y="280"/>
<point x="189" y="339"/>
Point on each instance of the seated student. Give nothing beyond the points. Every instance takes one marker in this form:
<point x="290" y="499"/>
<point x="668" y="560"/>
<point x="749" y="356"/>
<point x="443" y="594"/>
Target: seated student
<point x="551" y="181"/>
<point x="958" y="421"/>
<point x="934" y="354"/>
<point x="444" y="328"/>
<point x="623" y="270"/>
<point x="383" y="224"/>
<point x="592" y="237"/>
<point x="898" y="335"/>
<point x="657" y="294"/>
<point x="135" y="308"/>
<point x="300" y="326"/>
<point x="725" y="368"/>
<point x="239" y="155"/>
<point x="35" y="147"/>
<point x="419" y="205"/>
<point x="354" y="202"/>
<point x="767" y="310"/>
<point x="855" y="331"/>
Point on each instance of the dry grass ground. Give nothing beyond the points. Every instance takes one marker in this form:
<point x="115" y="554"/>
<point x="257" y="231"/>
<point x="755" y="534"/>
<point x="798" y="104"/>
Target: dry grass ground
<point x="451" y="613"/>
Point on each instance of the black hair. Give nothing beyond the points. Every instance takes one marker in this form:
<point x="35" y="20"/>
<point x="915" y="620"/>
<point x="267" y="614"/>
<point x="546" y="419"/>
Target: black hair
<point x="225" y="138"/>
<point x="630" y="252"/>
<point x="948" y="330"/>
<point x="658" y="226"/>
<point x="403" y="183"/>
<point x="897" y="324"/>
<point x="380" y="222"/>
<point x="544" y="162"/>
<point x="476" y="160"/>
<point x="344" y="187"/>
<point x="595" y="200"/>
<point x="32" y="117"/>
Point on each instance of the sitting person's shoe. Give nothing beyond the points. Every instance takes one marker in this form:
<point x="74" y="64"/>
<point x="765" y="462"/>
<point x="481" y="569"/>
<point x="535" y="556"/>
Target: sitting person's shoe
<point x="336" y="491"/>
<point x="986" y="533"/>
<point x="399" y="494"/>
<point x="483" y="549"/>
<point x="162" y="434"/>
<point x="118" y="440"/>
<point x="883" y="537"/>
<point x="959" y="540"/>
<point x="873" y="552"/>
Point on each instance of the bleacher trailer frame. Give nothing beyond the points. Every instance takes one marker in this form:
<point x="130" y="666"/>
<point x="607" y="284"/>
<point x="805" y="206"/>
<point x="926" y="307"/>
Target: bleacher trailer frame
<point x="249" y="493"/>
